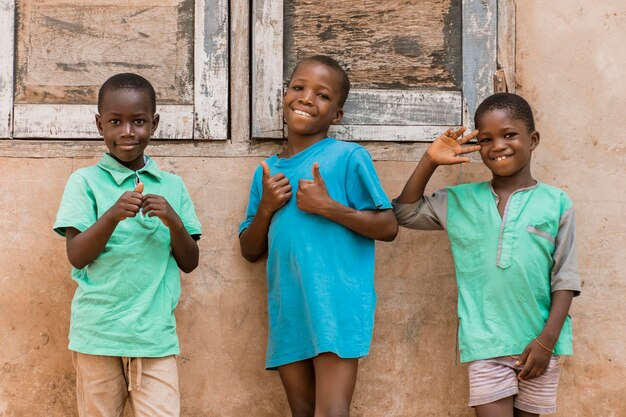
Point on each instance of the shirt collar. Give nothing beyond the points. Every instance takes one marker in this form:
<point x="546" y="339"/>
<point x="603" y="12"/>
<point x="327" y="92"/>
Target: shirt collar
<point x="120" y="173"/>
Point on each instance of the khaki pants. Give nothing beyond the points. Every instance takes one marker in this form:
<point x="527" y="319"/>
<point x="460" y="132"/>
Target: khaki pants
<point x="104" y="383"/>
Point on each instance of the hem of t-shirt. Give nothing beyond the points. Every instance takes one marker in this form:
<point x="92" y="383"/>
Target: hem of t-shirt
<point x="271" y="365"/>
<point x="576" y="291"/>
<point x="475" y="355"/>
<point x="126" y="353"/>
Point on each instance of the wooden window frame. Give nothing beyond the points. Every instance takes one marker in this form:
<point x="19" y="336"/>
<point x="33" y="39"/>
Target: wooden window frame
<point x="206" y="118"/>
<point x="420" y="114"/>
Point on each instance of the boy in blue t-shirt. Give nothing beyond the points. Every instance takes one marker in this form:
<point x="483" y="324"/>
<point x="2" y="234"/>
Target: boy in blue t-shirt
<point x="320" y="244"/>
<point x="129" y="228"/>
<point x="512" y="241"/>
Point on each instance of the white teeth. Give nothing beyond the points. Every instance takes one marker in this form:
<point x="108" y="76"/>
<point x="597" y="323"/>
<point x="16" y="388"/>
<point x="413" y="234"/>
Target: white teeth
<point x="302" y="113"/>
<point x="500" y="158"/>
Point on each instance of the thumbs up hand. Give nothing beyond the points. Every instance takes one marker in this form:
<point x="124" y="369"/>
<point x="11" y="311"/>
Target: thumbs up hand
<point x="312" y="195"/>
<point x="276" y="190"/>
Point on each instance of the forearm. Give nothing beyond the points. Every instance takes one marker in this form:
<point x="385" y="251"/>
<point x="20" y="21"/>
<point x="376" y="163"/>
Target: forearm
<point x="559" y="308"/>
<point x="184" y="248"/>
<point x="84" y="247"/>
<point x="253" y="240"/>
<point x="414" y="188"/>
<point x="374" y="224"/>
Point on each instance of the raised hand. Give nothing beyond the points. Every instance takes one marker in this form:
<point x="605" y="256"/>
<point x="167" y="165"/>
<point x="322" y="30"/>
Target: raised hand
<point x="276" y="190"/>
<point x="128" y="205"/>
<point x="445" y="150"/>
<point x="312" y="195"/>
<point x="535" y="359"/>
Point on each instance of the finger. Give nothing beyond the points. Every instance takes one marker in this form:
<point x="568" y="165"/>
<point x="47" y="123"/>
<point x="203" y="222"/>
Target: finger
<point x="139" y="187"/>
<point x="461" y="160"/>
<point x="525" y="371"/>
<point x="458" y="133"/>
<point x="286" y="189"/>
<point x="266" y="170"/>
<point x="282" y="182"/>
<point x="317" y="177"/>
<point x="469" y="137"/>
<point x="523" y="358"/>
<point x="469" y="149"/>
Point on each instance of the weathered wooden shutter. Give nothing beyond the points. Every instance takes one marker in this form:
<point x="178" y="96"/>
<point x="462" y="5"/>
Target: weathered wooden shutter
<point x="63" y="52"/>
<point x="430" y="62"/>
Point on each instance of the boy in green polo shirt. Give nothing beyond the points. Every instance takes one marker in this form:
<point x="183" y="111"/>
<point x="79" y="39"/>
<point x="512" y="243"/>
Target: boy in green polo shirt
<point x="512" y="240"/>
<point x="129" y="228"/>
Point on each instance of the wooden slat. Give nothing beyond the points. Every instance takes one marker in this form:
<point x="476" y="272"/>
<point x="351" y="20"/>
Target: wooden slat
<point x="479" y="53"/>
<point x="387" y="133"/>
<point x="506" y="42"/>
<point x="7" y="48"/>
<point x="267" y="68"/>
<point x="67" y="121"/>
<point x="240" y="71"/>
<point x="211" y="69"/>
<point x="191" y="149"/>
<point x="403" y="107"/>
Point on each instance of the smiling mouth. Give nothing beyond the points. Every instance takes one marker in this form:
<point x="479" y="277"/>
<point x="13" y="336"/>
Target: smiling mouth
<point x="302" y="113"/>
<point x="501" y="158"/>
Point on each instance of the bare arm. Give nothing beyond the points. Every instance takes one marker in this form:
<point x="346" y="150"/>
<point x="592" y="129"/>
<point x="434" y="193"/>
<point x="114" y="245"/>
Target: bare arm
<point x="537" y="354"/>
<point x="83" y="248"/>
<point x="445" y="150"/>
<point x="313" y="198"/>
<point x="275" y="194"/>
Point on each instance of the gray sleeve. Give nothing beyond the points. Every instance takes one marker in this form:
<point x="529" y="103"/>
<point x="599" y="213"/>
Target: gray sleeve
<point x="429" y="213"/>
<point x="565" y="269"/>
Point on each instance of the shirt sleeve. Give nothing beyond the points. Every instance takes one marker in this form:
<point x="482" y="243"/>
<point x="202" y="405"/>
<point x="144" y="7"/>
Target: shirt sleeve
<point x="78" y="206"/>
<point x="188" y="213"/>
<point x="364" y="190"/>
<point x="253" y="200"/>
<point x="429" y="213"/>
<point x="565" y="268"/>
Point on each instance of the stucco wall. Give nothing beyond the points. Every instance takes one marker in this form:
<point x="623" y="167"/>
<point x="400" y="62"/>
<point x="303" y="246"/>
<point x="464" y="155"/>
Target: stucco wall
<point x="570" y="65"/>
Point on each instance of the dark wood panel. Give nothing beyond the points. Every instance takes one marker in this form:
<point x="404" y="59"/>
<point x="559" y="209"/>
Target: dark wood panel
<point x="384" y="44"/>
<point x="65" y="50"/>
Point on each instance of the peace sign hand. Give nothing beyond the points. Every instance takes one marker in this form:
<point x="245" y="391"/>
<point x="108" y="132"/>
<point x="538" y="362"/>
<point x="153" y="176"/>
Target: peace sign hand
<point x="445" y="150"/>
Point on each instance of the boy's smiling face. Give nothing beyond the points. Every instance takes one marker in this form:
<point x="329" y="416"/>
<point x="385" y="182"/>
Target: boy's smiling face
<point x="126" y="122"/>
<point x="505" y="143"/>
<point x="311" y="103"/>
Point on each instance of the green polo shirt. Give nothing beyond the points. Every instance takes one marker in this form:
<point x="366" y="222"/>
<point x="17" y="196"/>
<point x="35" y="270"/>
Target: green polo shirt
<point x="125" y="300"/>
<point x="506" y="267"/>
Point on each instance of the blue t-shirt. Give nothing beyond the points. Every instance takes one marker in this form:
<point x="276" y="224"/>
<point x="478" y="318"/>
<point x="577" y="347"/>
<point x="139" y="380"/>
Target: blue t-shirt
<point x="320" y="274"/>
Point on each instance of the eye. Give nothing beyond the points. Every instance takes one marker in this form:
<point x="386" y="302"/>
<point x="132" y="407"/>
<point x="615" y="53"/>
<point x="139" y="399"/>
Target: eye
<point x="297" y="87"/>
<point x="483" y="140"/>
<point x="509" y="135"/>
<point x="114" y="122"/>
<point x="324" y="96"/>
<point x="139" y="122"/>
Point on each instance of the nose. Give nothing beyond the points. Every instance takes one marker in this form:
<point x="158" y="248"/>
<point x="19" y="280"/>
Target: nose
<point x="499" y="144"/>
<point x="306" y="97"/>
<point x="127" y="130"/>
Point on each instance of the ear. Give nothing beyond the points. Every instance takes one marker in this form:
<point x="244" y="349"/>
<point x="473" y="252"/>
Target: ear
<point x="338" y="116"/>
<point x="155" y="123"/>
<point x="99" y="124"/>
<point x="534" y="140"/>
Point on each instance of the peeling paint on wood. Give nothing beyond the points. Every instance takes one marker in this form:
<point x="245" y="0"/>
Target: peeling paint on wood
<point x="7" y="41"/>
<point x="383" y="44"/>
<point x="506" y="42"/>
<point x="66" y="50"/>
<point x="78" y="121"/>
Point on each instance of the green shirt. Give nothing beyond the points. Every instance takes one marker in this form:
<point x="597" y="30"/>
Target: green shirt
<point x="506" y="267"/>
<point x="125" y="300"/>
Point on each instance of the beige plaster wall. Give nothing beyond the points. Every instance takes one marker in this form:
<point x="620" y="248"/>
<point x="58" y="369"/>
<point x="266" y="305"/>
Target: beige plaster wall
<point x="570" y="59"/>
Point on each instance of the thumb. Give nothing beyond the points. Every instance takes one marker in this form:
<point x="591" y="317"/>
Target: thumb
<point x="266" y="169"/>
<point x="317" y="177"/>
<point x="139" y="187"/>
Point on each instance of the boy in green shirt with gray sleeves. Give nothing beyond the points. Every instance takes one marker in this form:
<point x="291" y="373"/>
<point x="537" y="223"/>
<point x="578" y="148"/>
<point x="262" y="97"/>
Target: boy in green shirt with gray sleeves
<point x="512" y="241"/>
<point x="129" y="227"/>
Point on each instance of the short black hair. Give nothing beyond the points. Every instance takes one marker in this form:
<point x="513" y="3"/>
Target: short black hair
<point x="344" y="81"/>
<point x="516" y="106"/>
<point x="127" y="81"/>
